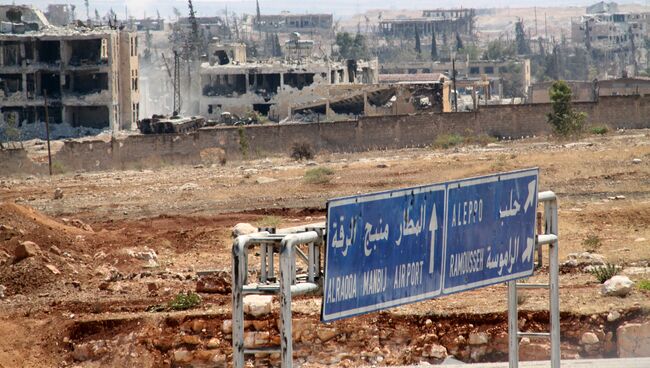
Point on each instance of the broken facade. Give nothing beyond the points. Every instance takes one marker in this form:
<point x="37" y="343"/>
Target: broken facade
<point x="90" y="77"/>
<point x="449" y="21"/>
<point x="377" y="100"/>
<point x="271" y="88"/>
<point x="493" y="70"/>
<point x="610" y="31"/>
<point x="287" y="22"/>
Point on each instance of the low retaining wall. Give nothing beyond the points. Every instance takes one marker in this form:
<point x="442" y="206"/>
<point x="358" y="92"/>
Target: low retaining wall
<point x="367" y="133"/>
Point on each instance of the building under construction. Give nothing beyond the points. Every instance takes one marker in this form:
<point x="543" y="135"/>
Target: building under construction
<point x="88" y="76"/>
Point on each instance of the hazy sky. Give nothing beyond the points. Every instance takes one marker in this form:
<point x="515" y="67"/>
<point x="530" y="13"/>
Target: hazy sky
<point x="341" y="8"/>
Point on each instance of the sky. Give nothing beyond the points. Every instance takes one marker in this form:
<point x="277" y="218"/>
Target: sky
<point x="340" y="8"/>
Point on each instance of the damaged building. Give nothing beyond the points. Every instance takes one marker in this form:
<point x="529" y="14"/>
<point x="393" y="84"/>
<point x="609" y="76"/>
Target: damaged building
<point x="287" y="22"/>
<point x="231" y="83"/>
<point x="90" y="76"/>
<point x="438" y="21"/>
<point x="516" y="72"/>
<point x="604" y="27"/>
<point x="395" y="98"/>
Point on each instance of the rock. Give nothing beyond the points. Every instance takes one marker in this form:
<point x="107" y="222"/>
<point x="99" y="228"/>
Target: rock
<point x="54" y="249"/>
<point x="617" y="286"/>
<point x="633" y="340"/>
<point x="326" y="334"/>
<point x="636" y="161"/>
<point x="25" y="249"/>
<point x="188" y="187"/>
<point x="91" y="350"/>
<point x="265" y="180"/>
<point x="619" y="197"/>
<point x="213" y="343"/>
<point x="535" y="351"/>
<point x="191" y="340"/>
<point x="589" y="338"/>
<point x="152" y="286"/>
<point x="258" y="305"/>
<point x="198" y="325"/>
<point x="218" y="283"/>
<point x="53" y="269"/>
<point x="148" y="255"/>
<point x="428" y="322"/>
<point x="58" y="193"/>
<point x="256" y="339"/>
<point x="383" y="166"/>
<point x="243" y="228"/>
<point x="226" y="326"/>
<point x="434" y="351"/>
<point x="2" y="291"/>
<point x="478" y="338"/>
<point x="182" y="356"/>
<point x="219" y="360"/>
<point x="613" y="316"/>
<point x="582" y="260"/>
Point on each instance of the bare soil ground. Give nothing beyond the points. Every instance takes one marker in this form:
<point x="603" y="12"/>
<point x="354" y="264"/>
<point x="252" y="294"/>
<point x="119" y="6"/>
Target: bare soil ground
<point x="83" y="299"/>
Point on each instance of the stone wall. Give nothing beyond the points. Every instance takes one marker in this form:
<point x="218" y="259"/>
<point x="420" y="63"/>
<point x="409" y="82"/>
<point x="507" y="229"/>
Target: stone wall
<point x="399" y="131"/>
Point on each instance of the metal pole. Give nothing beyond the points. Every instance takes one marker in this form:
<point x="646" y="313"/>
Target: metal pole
<point x="513" y="328"/>
<point x="287" y="266"/>
<point x="239" y="255"/>
<point x="453" y="79"/>
<point x="554" y="289"/>
<point x="47" y="132"/>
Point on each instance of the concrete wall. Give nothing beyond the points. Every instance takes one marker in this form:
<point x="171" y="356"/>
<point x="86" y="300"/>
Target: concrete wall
<point x="150" y="151"/>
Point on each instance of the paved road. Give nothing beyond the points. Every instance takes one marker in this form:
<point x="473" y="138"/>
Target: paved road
<point x="582" y="363"/>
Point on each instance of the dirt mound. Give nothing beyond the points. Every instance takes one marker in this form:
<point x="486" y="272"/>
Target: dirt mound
<point x="20" y="223"/>
<point x="58" y="250"/>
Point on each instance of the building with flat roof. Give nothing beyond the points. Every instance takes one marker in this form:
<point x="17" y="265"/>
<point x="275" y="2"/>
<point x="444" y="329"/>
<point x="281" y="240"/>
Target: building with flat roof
<point x="88" y="75"/>
<point x="230" y="83"/>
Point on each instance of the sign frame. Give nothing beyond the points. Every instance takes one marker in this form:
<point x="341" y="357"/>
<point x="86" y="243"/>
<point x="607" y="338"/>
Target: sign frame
<point x="442" y="224"/>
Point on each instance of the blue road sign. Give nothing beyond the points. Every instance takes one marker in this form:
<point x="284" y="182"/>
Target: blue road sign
<point x="396" y="247"/>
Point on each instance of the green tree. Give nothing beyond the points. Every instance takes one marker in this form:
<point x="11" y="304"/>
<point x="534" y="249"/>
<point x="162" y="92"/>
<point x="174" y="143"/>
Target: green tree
<point x="499" y="50"/>
<point x="520" y="38"/>
<point x="459" y="42"/>
<point x="434" y="47"/>
<point x="352" y="47"/>
<point x="564" y="119"/>
<point x="276" y="46"/>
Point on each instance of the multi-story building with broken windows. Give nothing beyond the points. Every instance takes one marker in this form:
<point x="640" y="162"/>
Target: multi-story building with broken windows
<point x="438" y="21"/>
<point x="88" y="75"/>
<point x="231" y="83"/>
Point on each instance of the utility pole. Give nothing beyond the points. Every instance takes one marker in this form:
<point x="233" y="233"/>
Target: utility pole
<point x="453" y="80"/>
<point x="535" y="8"/>
<point x="47" y="132"/>
<point x="177" y="84"/>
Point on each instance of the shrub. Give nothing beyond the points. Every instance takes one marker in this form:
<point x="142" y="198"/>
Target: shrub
<point x="600" y="130"/>
<point x="565" y="121"/>
<point x="644" y="285"/>
<point x="184" y="301"/>
<point x="58" y="168"/>
<point x="269" y="221"/>
<point x="447" y="141"/>
<point x="481" y="139"/>
<point x="243" y="141"/>
<point x="302" y="151"/>
<point x="604" y="273"/>
<point x="592" y="243"/>
<point x="319" y="175"/>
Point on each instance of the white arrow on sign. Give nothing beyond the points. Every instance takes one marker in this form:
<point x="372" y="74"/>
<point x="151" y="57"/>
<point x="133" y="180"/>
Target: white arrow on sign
<point x="528" y="252"/>
<point x="531" y="193"/>
<point x="433" y="226"/>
